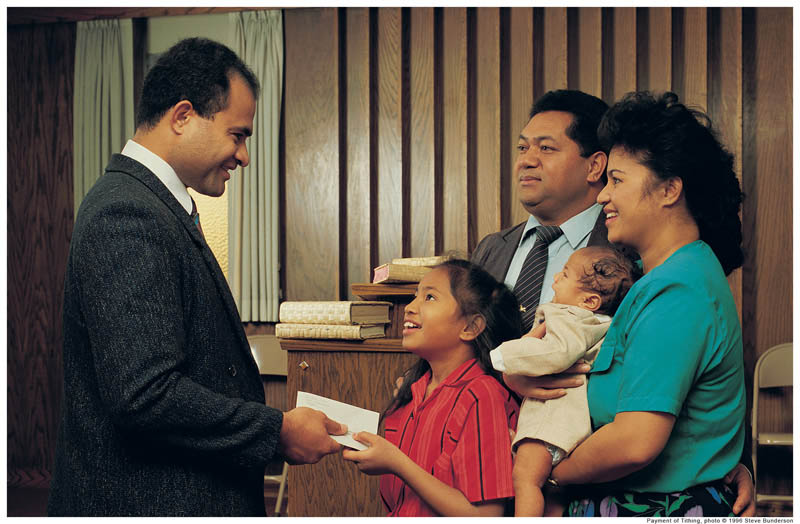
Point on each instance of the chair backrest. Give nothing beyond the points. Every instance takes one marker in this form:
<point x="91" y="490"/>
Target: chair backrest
<point x="269" y="356"/>
<point x="774" y="368"/>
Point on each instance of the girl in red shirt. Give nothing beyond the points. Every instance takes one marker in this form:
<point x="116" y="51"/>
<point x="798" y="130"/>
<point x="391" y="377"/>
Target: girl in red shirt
<point x="447" y="449"/>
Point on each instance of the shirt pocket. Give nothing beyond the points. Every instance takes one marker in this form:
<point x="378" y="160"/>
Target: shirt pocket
<point x="606" y="353"/>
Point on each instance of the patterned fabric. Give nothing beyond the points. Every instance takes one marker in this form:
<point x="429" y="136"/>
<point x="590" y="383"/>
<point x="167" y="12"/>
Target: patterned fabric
<point x="459" y="434"/>
<point x="529" y="282"/>
<point x="713" y="499"/>
<point x="196" y="218"/>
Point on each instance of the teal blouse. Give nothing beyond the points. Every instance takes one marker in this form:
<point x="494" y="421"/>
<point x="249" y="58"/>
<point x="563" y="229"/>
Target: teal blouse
<point x="675" y="346"/>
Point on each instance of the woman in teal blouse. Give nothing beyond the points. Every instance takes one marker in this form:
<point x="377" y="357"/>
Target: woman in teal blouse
<point x="666" y="393"/>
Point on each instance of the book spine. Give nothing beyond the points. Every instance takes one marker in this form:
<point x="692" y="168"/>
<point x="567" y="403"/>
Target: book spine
<point x="399" y="273"/>
<point x="315" y="313"/>
<point x="317" y="331"/>
<point x="421" y="261"/>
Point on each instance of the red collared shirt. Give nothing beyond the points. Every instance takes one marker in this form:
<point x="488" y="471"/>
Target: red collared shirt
<point x="459" y="434"/>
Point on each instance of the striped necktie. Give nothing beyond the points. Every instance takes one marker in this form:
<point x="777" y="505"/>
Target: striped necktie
<point x="196" y="219"/>
<point x="529" y="283"/>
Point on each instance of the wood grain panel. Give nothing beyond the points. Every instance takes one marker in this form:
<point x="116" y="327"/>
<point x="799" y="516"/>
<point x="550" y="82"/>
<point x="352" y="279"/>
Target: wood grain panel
<point x="422" y="203"/>
<point x="454" y="146"/>
<point x="619" y="74"/>
<point x="389" y="147"/>
<point x="768" y="210"/>
<point x="585" y="50"/>
<point x="654" y="72"/>
<point x="725" y="97"/>
<point x="520" y="80"/>
<point x="554" y="64"/>
<point x="312" y="154"/>
<point x="693" y="89"/>
<point x="363" y="379"/>
<point x="486" y="131"/>
<point x="40" y="220"/>
<point x="359" y="198"/>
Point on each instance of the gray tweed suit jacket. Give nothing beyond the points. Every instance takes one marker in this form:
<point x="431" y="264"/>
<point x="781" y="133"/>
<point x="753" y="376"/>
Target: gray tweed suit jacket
<point x="495" y="251"/>
<point x="163" y="410"/>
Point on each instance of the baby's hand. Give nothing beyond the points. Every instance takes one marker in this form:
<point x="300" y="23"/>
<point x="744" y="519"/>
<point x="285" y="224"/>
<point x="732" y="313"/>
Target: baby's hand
<point x="536" y="331"/>
<point x="379" y="458"/>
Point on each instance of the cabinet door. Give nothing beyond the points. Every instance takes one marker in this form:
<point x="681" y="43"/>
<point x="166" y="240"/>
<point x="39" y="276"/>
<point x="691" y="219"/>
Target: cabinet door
<point x="334" y="487"/>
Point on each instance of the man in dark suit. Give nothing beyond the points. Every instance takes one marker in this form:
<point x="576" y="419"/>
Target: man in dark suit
<point x="163" y="410"/>
<point x="559" y="171"/>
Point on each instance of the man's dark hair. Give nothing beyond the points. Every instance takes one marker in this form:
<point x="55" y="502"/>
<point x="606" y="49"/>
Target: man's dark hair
<point x="586" y="111"/>
<point x="195" y="69"/>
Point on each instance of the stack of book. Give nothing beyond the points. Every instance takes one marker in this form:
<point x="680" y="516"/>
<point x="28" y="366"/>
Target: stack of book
<point x="355" y="320"/>
<point x="405" y="270"/>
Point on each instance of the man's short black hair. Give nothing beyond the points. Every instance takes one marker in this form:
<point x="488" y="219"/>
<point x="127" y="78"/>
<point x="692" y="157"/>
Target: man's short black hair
<point x="586" y="111"/>
<point x="195" y="69"/>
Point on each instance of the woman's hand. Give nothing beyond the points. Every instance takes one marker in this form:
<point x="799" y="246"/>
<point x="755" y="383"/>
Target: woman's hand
<point x="548" y="387"/>
<point x="745" y="505"/>
<point x="379" y="458"/>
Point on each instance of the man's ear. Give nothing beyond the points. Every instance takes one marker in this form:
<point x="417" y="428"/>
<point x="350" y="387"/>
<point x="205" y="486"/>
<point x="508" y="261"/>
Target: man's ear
<point x="474" y="327"/>
<point x="597" y="166"/>
<point x="671" y="190"/>
<point x="180" y="115"/>
<point x="591" y="301"/>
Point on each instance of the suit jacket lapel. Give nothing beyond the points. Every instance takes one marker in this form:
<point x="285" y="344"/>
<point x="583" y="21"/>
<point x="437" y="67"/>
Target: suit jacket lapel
<point x="146" y="177"/>
<point x="509" y="247"/>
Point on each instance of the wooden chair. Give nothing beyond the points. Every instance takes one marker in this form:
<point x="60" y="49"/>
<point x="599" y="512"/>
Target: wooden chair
<point x="271" y="360"/>
<point x="773" y="369"/>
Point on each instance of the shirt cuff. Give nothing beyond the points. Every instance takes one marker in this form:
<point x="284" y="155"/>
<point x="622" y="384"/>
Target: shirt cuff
<point x="497" y="360"/>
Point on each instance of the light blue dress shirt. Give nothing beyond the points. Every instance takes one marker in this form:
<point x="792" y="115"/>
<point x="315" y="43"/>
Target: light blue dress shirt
<point x="576" y="235"/>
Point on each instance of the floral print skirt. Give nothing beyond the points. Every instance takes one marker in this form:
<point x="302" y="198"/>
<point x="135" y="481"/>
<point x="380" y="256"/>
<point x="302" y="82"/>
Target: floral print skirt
<point x="713" y="499"/>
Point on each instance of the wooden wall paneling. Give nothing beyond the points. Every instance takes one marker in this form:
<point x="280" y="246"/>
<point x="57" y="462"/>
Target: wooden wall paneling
<point x="454" y="140"/>
<point x="693" y="89"/>
<point x="654" y="72"/>
<point x="767" y="177"/>
<point x="357" y="165"/>
<point x="520" y="85"/>
<point x="486" y="132"/>
<point x="619" y="40"/>
<point x="312" y="154"/>
<point x="422" y="203"/>
<point x="725" y="97"/>
<point x="554" y="56"/>
<point x="585" y="50"/>
<point x="40" y="219"/>
<point x="389" y="147"/>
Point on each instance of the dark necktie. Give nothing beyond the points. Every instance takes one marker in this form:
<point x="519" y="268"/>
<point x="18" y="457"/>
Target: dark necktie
<point x="529" y="283"/>
<point x="196" y="219"/>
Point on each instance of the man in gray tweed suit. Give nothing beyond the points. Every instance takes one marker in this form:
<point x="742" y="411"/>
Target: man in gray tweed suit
<point x="163" y="410"/>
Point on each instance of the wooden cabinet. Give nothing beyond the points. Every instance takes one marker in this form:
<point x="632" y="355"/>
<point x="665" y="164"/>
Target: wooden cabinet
<point x="361" y="373"/>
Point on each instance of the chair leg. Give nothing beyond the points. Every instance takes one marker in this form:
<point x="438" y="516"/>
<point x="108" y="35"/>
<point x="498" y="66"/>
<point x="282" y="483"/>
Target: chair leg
<point x="281" y="489"/>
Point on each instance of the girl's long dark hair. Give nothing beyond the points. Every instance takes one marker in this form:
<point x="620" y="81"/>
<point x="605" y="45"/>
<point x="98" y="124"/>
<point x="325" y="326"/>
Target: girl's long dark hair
<point x="476" y="292"/>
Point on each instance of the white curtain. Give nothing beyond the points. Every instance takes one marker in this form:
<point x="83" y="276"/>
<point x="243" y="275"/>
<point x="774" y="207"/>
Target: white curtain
<point x="103" y="98"/>
<point x="253" y="271"/>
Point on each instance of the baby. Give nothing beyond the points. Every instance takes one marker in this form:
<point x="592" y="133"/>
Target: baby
<point x="588" y="291"/>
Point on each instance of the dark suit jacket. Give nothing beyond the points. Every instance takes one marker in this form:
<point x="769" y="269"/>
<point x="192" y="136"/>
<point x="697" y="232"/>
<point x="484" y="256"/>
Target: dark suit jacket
<point x="163" y="410"/>
<point x="495" y="251"/>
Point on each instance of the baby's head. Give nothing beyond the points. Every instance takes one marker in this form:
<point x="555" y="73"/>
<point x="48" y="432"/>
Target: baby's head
<point x="596" y="278"/>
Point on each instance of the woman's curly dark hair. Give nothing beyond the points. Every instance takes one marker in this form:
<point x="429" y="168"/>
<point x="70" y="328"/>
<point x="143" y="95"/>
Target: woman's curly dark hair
<point x="672" y="140"/>
<point x="476" y="292"/>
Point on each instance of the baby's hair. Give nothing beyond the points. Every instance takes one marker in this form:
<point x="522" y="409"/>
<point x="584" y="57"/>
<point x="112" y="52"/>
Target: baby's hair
<point x="477" y="293"/>
<point x="612" y="275"/>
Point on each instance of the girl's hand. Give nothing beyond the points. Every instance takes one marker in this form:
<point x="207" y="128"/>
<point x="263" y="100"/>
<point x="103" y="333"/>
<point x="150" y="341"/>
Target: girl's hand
<point x="380" y="458"/>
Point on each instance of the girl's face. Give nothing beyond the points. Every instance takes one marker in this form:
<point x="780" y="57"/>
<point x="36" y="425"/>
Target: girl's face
<point x="433" y="320"/>
<point x="627" y="200"/>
